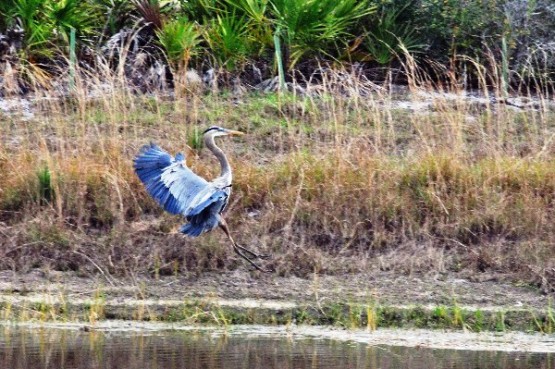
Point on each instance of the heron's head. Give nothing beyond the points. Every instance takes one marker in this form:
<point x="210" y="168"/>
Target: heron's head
<point x="216" y="131"/>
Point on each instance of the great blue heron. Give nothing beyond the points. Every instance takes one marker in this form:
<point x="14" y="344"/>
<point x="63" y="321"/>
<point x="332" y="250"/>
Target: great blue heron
<point x="180" y="191"/>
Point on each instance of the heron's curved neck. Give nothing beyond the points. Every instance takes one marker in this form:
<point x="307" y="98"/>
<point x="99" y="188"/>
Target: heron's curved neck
<point x="211" y="145"/>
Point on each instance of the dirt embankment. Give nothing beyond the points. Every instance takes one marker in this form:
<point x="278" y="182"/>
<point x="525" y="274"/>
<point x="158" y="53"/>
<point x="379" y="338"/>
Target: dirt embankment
<point x="378" y="287"/>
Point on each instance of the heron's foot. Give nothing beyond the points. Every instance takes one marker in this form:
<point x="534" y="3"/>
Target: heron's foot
<point x="239" y="251"/>
<point x="254" y="255"/>
<point x="267" y="270"/>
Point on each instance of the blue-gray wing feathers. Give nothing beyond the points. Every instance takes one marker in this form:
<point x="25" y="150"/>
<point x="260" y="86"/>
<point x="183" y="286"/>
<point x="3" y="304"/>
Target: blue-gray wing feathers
<point x="179" y="190"/>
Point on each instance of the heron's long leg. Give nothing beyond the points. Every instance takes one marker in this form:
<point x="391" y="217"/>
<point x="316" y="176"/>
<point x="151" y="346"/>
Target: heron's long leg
<point x="238" y="249"/>
<point x="252" y="254"/>
<point x="258" y="267"/>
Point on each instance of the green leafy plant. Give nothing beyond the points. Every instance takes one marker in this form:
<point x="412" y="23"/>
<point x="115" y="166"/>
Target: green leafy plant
<point x="45" y="189"/>
<point x="76" y="14"/>
<point x="117" y="13"/>
<point x="194" y="139"/>
<point x="46" y="25"/>
<point x="459" y="26"/>
<point x="391" y="37"/>
<point x="229" y="40"/>
<point x="256" y="11"/>
<point x="37" y="32"/>
<point x="314" y="26"/>
<point x="180" y="40"/>
<point x="200" y="10"/>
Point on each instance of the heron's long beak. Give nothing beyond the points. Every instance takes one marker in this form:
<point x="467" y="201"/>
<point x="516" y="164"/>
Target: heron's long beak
<point x="234" y="133"/>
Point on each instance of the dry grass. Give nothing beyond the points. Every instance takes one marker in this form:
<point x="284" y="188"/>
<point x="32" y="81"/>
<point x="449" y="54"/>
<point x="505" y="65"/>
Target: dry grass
<point x="342" y="179"/>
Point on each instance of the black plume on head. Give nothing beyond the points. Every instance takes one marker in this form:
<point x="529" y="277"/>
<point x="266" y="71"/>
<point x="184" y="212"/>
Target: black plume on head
<point x="212" y="129"/>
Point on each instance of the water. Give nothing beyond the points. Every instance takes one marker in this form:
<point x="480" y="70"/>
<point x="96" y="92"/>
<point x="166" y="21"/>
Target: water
<point x="45" y="348"/>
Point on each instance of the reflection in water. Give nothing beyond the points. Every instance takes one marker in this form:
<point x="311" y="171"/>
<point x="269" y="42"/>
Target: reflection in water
<point x="25" y="348"/>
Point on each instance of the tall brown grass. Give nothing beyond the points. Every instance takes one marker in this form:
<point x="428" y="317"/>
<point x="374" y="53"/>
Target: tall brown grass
<point x="347" y="177"/>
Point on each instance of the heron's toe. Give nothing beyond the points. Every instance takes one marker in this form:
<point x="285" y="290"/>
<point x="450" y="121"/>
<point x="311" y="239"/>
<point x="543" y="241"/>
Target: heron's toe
<point x="264" y="270"/>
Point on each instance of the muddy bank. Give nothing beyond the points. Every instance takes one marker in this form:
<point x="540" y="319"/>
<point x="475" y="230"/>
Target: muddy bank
<point x="368" y="301"/>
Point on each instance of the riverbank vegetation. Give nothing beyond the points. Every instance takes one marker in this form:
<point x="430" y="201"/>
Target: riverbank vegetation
<point x="342" y="169"/>
<point x="345" y="315"/>
<point x="155" y="43"/>
<point x="325" y="183"/>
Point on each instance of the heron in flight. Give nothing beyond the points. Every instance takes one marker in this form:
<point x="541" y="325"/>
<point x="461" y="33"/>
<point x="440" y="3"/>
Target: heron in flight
<point x="180" y="191"/>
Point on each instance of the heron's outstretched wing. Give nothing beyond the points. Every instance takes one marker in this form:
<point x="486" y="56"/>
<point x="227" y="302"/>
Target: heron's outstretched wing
<point x="172" y="184"/>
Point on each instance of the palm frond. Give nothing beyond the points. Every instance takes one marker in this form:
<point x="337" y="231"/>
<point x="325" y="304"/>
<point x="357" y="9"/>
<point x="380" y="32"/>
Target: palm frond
<point x="313" y="26"/>
<point x="180" y="39"/>
<point x="229" y="40"/>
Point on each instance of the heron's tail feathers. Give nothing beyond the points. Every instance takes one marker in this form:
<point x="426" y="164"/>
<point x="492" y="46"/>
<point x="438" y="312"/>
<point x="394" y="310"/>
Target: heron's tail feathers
<point x="192" y="230"/>
<point x="200" y="224"/>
